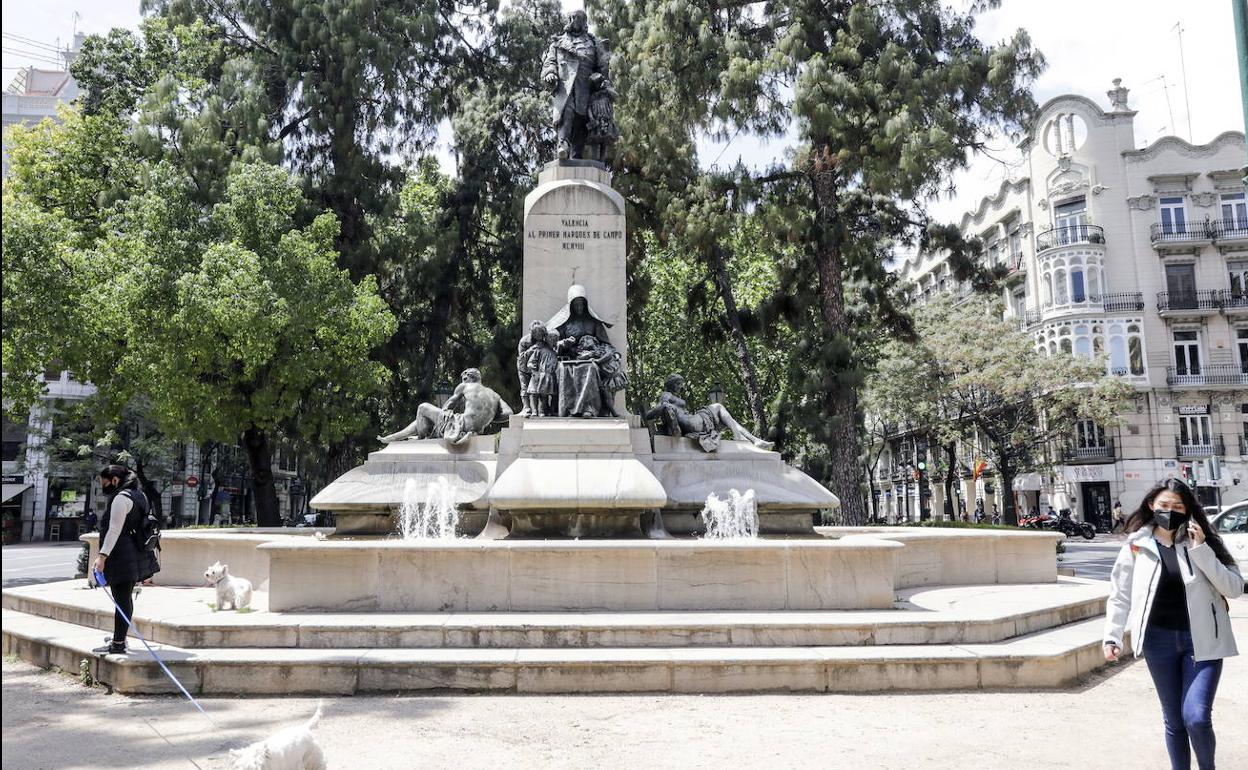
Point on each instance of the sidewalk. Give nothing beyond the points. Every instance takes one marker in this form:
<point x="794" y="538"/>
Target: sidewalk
<point x="1112" y="721"/>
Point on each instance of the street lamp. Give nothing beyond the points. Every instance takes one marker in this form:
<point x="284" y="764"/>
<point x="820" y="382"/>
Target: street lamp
<point x="443" y="393"/>
<point x="716" y="395"/>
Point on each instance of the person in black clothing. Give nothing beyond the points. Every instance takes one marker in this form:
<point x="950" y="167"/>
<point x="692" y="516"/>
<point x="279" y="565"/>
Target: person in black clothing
<point x="1169" y="589"/>
<point x="121" y="560"/>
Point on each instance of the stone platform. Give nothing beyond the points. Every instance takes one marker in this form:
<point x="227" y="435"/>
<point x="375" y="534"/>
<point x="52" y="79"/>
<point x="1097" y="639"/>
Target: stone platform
<point x="568" y="477"/>
<point x="945" y="638"/>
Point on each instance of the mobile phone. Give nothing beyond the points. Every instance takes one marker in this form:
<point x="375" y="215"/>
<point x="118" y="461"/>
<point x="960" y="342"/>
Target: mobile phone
<point x="99" y="578"/>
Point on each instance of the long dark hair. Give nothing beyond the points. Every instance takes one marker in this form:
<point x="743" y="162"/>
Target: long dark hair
<point x="123" y="475"/>
<point x="1143" y="516"/>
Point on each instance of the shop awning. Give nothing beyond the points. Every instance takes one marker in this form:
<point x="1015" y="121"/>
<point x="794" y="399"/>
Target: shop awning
<point x="13" y="490"/>
<point x="1027" y="482"/>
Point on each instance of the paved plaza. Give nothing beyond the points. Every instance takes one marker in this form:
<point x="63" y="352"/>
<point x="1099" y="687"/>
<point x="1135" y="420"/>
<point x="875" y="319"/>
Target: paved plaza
<point x="1110" y="721"/>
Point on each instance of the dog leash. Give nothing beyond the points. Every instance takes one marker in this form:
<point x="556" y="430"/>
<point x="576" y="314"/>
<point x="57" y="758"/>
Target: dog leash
<point x="102" y="583"/>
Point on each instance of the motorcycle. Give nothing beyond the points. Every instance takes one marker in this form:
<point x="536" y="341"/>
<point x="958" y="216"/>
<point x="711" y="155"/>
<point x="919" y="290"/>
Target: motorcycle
<point x="1070" y="528"/>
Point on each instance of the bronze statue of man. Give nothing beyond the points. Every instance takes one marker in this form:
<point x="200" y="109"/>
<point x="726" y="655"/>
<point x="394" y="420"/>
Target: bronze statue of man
<point x="468" y="412"/>
<point x="575" y="66"/>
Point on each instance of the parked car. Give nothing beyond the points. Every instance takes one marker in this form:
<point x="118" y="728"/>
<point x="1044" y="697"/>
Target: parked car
<point x="1212" y="510"/>
<point x="1232" y="526"/>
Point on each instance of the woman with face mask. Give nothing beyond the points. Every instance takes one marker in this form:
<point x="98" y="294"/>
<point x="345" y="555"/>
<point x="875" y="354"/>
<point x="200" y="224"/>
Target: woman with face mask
<point x="1169" y="588"/>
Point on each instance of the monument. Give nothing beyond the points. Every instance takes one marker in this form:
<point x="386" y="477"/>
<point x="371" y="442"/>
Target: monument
<point x="573" y="462"/>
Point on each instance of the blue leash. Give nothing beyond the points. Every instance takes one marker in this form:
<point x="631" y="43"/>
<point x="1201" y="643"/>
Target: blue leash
<point x="101" y="582"/>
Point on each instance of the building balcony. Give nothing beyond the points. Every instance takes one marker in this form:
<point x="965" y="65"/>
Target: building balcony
<point x="1123" y="302"/>
<point x="1015" y="268"/>
<point x="1091" y="303"/>
<point x="1209" y="374"/>
<point x="1188" y="303"/>
<point x="1069" y="236"/>
<point x="1216" y="447"/>
<point x="1234" y="303"/>
<point x="1182" y="237"/>
<point x="1230" y="232"/>
<point x="1090" y="454"/>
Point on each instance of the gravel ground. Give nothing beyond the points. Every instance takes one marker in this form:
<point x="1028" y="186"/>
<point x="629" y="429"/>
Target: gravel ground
<point x="1110" y="721"/>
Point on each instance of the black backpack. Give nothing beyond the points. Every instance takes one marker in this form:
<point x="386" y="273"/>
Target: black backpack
<point x="146" y="531"/>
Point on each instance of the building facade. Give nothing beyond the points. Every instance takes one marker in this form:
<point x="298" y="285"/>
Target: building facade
<point x="1135" y="255"/>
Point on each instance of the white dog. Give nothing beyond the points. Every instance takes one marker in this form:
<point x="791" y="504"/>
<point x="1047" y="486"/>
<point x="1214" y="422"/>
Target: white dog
<point x="234" y="590"/>
<point x="292" y="748"/>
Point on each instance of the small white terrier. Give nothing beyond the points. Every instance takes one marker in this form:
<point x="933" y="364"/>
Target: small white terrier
<point x="291" y="748"/>
<point x="235" y="591"/>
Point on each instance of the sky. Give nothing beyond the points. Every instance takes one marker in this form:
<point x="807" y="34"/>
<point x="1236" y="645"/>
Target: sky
<point x="1087" y="43"/>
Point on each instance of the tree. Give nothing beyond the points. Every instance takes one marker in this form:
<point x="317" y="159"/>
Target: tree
<point x="231" y="320"/>
<point x="886" y="99"/>
<point x="970" y="372"/>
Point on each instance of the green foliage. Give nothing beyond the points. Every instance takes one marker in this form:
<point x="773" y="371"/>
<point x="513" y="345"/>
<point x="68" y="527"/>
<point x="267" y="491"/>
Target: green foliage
<point x="886" y="100"/>
<point x="972" y="373"/>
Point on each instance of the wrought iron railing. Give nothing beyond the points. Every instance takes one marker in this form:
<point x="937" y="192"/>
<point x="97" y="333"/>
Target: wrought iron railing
<point x="1207" y="374"/>
<point x="1103" y="452"/>
<point x="1234" y="300"/>
<point x="1071" y="235"/>
<point x="1201" y="299"/>
<point x="1230" y="229"/>
<point x="1216" y="446"/>
<point x="1123" y="302"/>
<point x="1181" y="232"/>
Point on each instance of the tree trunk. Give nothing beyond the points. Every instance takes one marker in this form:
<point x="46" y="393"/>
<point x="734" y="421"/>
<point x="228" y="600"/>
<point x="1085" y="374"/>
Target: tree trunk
<point x="951" y="458"/>
<point x="260" y="460"/>
<point x="205" y="491"/>
<point x="842" y="439"/>
<point x="745" y="361"/>
<point x="1009" y="513"/>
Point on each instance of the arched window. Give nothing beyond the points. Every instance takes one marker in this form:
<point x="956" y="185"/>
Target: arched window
<point x="1094" y="283"/>
<point x="1046" y="289"/>
<point x="1060" y="295"/>
<point x="1118" y="354"/>
<point x="1135" y="344"/>
<point x="1077" y="293"/>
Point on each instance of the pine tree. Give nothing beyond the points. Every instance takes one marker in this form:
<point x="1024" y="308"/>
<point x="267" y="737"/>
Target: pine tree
<point x="885" y="99"/>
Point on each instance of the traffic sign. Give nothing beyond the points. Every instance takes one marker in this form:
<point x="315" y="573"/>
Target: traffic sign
<point x="192" y="481"/>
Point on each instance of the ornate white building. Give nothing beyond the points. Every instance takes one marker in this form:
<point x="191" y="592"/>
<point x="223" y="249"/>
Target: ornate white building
<point x="1139" y="255"/>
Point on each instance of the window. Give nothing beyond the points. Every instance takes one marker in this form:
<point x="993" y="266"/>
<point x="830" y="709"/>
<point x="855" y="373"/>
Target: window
<point x="1077" y="294"/>
<point x="1069" y="219"/>
<point x="1089" y="435"/>
<point x="1173" y="216"/>
<point x="1060" y="296"/>
<point x="1135" y="343"/>
<point x="1234" y="211"/>
<point x="1187" y="353"/>
<point x="1181" y="285"/>
<point x="1195" y="430"/>
<point x="1016" y="241"/>
<point x="1238" y="272"/>
<point x="1241" y="344"/>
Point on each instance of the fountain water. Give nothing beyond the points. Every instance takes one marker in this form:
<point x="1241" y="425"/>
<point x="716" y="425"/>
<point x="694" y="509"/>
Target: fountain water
<point x="435" y="518"/>
<point x="736" y="517"/>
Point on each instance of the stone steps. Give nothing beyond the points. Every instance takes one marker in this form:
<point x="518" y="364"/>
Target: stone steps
<point x="955" y="615"/>
<point x="1050" y="658"/>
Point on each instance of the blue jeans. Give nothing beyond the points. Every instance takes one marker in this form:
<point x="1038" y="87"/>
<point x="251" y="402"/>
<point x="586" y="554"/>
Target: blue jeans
<point x="1186" y="690"/>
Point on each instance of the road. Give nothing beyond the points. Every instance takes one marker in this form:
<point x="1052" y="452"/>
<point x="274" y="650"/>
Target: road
<point x="29" y="563"/>
<point x="1092" y="558"/>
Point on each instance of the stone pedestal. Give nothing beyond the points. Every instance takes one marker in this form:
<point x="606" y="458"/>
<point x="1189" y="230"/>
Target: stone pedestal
<point x="365" y="499"/>
<point x="574" y="234"/>
<point x="575" y="478"/>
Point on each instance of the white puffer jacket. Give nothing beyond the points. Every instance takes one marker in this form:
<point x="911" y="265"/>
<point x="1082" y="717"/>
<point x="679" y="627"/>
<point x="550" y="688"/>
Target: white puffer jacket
<point x="1133" y="587"/>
